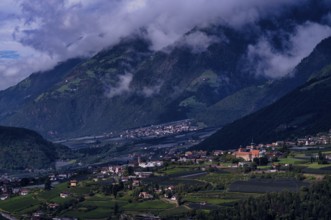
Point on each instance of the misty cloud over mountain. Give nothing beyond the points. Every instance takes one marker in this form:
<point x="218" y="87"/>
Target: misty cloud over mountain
<point x="275" y="63"/>
<point x="46" y="32"/>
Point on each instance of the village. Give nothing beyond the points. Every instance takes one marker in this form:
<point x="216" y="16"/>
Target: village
<point x="160" y="130"/>
<point x="175" y="182"/>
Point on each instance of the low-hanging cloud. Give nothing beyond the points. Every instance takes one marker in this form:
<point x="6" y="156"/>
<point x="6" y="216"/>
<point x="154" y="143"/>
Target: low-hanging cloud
<point x="123" y="86"/>
<point x="149" y="91"/>
<point x="273" y="63"/>
<point x="60" y="29"/>
<point x="199" y="41"/>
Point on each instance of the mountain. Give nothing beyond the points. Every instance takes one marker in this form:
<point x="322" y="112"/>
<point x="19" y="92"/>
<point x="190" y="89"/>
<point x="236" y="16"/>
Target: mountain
<point x="26" y="91"/>
<point x="304" y="111"/>
<point x="130" y="85"/>
<point x="25" y="149"/>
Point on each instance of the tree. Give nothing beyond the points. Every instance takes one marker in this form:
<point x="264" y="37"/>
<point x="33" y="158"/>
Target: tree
<point x="136" y="192"/>
<point x="274" y="159"/>
<point x="278" y="166"/>
<point x="107" y="189"/>
<point x="116" y="189"/>
<point x="47" y="184"/>
<point x="321" y="158"/>
<point x="25" y="182"/>
<point x="179" y="199"/>
<point x="253" y="166"/>
<point x="261" y="161"/>
<point x="129" y="171"/>
<point x="116" y="208"/>
<point x="246" y="168"/>
<point x="181" y="188"/>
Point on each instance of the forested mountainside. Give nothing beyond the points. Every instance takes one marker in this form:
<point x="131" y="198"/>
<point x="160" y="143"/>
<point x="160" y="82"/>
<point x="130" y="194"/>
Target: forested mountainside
<point x="304" y="111"/>
<point x="25" y="149"/>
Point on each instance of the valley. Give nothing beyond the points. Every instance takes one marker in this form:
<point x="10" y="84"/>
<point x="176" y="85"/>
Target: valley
<point x="176" y="109"/>
<point x="176" y="182"/>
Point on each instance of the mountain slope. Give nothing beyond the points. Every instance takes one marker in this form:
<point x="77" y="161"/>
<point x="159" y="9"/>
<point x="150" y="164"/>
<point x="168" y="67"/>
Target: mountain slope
<point x="130" y="85"/>
<point x="250" y="99"/>
<point x="304" y="111"/>
<point x="15" y="97"/>
<point x="22" y="148"/>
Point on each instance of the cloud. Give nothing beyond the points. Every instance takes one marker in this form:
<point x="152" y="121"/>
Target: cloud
<point x="15" y="70"/>
<point x="123" y="86"/>
<point x="72" y="28"/>
<point x="274" y="63"/>
<point x="198" y="41"/>
<point x="60" y="29"/>
<point x="153" y="90"/>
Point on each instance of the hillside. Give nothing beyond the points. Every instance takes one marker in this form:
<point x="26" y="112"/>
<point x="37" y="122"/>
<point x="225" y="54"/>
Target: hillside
<point x="26" y="91"/>
<point x="25" y="149"/>
<point x="304" y="111"/>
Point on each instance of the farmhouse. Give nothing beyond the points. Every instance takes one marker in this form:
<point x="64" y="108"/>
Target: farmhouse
<point x="64" y="195"/>
<point x="24" y="192"/>
<point x="146" y="195"/>
<point x="53" y="205"/>
<point x="173" y="198"/>
<point x="73" y="183"/>
<point x="136" y="183"/>
<point x="4" y="197"/>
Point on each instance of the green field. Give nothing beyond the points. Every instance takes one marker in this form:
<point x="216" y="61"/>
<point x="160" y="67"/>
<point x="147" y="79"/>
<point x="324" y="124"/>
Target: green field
<point x="214" y="201"/>
<point x="20" y="204"/>
<point x="97" y="213"/>
<point x="224" y="179"/>
<point x="200" y="190"/>
<point x="173" y="212"/>
<point x="176" y="170"/>
<point x="26" y="204"/>
<point x="318" y="166"/>
<point x="148" y="205"/>
<point x="291" y="160"/>
<point x="54" y="193"/>
<point x="218" y="197"/>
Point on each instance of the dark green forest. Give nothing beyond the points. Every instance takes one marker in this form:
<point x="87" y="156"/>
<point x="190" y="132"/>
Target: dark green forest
<point x="309" y="203"/>
<point x="25" y="149"/>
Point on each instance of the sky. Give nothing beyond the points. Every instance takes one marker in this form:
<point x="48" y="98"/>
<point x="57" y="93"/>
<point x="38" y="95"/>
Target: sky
<point x="35" y="35"/>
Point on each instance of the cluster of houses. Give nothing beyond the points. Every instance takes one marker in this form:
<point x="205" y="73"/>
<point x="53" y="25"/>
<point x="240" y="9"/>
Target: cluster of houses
<point x="168" y="192"/>
<point x="151" y="164"/>
<point x="7" y="190"/>
<point x="319" y="139"/>
<point x="10" y="186"/>
<point x="160" y="130"/>
<point x="192" y="156"/>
